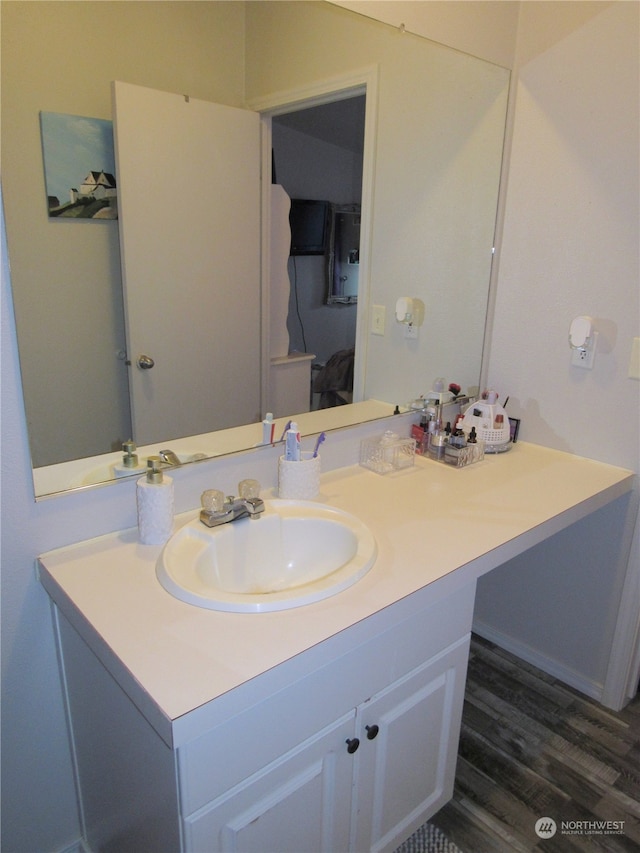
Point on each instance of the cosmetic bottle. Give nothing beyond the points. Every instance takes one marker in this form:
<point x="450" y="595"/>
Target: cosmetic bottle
<point x="437" y="445"/>
<point x="457" y="437"/>
<point x="268" y="427"/>
<point x="420" y="436"/>
<point x="420" y="432"/>
<point x="154" y="498"/>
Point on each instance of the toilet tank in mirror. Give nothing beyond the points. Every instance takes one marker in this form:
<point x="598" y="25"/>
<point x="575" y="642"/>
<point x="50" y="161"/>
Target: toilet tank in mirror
<point x="427" y="216"/>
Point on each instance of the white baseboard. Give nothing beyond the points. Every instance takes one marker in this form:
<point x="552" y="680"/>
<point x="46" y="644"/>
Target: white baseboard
<point x="551" y="666"/>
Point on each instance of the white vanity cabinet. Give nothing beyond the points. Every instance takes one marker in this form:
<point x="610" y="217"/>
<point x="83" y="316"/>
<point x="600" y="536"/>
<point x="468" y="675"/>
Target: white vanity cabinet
<point x="353" y="755"/>
<point x="363" y="782"/>
<point x="201" y="731"/>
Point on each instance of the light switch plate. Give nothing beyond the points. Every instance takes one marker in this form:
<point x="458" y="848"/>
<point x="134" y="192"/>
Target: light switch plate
<point x="378" y="319"/>
<point x="634" y="361"/>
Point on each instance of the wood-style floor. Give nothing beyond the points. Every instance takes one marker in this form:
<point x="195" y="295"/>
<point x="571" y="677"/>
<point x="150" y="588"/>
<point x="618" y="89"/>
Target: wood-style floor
<point x="531" y="747"/>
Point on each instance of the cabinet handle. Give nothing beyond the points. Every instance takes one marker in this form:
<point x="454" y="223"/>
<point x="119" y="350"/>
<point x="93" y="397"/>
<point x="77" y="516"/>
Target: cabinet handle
<point x="372" y="732"/>
<point x="352" y="745"/>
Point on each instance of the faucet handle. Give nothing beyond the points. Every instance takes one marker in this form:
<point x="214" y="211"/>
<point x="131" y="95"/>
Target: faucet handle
<point x="212" y="500"/>
<point x="248" y="489"/>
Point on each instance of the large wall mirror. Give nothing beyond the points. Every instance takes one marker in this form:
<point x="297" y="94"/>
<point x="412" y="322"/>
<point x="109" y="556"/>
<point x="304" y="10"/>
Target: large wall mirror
<point x="434" y="161"/>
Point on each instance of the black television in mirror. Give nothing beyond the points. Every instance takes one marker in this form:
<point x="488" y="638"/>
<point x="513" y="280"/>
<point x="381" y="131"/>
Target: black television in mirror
<point x="309" y="221"/>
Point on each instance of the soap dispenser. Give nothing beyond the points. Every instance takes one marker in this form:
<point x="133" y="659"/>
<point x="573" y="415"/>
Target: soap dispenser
<point x="130" y="464"/>
<point x="154" y="498"/>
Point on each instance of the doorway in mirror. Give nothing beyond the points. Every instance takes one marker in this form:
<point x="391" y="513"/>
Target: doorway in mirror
<point x="318" y="160"/>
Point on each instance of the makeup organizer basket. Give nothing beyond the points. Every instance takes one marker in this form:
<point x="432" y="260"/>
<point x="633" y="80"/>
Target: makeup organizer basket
<point x="492" y="425"/>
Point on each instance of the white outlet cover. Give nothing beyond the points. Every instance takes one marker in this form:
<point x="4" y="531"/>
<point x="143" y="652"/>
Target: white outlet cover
<point x="411" y="331"/>
<point x="585" y="357"/>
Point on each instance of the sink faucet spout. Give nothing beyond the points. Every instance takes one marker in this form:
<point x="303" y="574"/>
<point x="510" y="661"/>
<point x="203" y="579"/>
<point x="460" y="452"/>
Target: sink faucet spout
<point x="169" y="457"/>
<point x="213" y="514"/>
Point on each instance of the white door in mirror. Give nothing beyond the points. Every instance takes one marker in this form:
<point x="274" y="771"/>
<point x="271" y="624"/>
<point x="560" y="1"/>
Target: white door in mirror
<point x="185" y="258"/>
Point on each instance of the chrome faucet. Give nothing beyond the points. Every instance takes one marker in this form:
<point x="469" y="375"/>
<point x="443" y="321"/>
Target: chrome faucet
<point x="218" y="509"/>
<point x="169" y="457"/>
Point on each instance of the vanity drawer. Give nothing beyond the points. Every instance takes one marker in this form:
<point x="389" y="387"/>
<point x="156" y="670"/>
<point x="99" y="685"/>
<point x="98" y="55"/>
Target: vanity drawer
<point x="275" y="723"/>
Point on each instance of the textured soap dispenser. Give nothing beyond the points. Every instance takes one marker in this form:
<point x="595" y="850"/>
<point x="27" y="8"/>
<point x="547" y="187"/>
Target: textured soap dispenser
<point x="130" y="463"/>
<point x="154" y="497"/>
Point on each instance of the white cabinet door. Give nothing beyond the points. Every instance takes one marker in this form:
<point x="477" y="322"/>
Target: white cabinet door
<point x="301" y="801"/>
<point x="320" y="796"/>
<point x="407" y="756"/>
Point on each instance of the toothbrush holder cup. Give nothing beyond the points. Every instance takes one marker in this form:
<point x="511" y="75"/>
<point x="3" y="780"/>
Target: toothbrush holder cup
<point x="299" y="480"/>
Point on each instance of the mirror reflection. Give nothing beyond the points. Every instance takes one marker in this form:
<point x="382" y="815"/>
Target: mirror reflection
<point x="318" y="161"/>
<point x="427" y="213"/>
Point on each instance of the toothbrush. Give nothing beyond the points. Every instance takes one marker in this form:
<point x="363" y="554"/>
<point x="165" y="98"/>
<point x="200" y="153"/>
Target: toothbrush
<point x="284" y="431"/>
<point x="321" y="438"/>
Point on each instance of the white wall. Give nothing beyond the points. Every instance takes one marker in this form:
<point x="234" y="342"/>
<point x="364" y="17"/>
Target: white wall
<point x="482" y="28"/>
<point x="33" y="724"/>
<point x="570" y="247"/>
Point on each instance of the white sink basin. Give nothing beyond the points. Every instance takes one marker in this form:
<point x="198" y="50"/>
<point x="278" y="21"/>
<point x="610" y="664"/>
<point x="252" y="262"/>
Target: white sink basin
<point x="295" y="553"/>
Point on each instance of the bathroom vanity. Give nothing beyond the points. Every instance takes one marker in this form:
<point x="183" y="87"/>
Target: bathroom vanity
<point x="332" y="726"/>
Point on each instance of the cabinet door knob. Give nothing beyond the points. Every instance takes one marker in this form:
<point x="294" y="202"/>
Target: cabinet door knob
<point x="372" y="732"/>
<point x="352" y="744"/>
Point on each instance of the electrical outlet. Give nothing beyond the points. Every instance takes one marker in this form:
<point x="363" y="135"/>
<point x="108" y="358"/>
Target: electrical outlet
<point x="378" y="319"/>
<point x="411" y="331"/>
<point x="579" y="357"/>
<point x="585" y="357"/>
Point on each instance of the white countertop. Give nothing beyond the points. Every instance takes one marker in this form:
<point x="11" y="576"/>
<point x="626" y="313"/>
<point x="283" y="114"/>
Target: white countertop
<point x="430" y="521"/>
